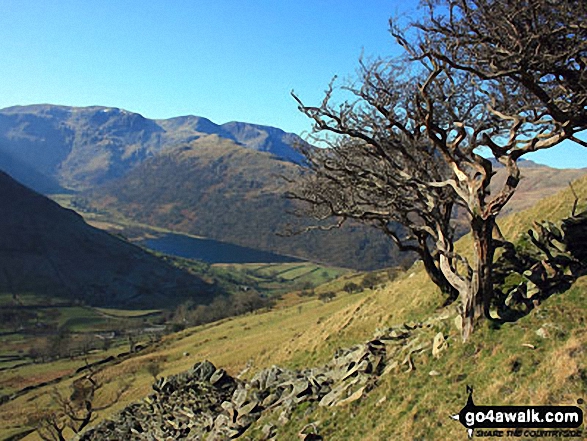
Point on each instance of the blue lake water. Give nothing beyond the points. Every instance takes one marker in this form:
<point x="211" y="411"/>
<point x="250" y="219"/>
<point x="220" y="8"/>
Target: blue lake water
<point x="211" y="251"/>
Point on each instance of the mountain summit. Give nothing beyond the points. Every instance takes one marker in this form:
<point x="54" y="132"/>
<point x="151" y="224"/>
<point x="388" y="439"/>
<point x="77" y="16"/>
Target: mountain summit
<point x="82" y="147"/>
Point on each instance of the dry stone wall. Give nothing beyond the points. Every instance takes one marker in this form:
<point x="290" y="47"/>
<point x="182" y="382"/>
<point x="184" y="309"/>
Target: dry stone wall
<point x="205" y="403"/>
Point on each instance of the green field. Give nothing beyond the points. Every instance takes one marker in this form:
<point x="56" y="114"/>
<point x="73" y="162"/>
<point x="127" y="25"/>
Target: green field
<point x="285" y="277"/>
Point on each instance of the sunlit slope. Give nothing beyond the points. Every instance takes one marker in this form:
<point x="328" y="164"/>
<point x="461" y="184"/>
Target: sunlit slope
<point x="510" y="365"/>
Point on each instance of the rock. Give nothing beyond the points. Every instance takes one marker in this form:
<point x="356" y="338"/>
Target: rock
<point x="353" y="397"/>
<point x="239" y="396"/>
<point x="269" y="400"/>
<point x="330" y="398"/>
<point x="203" y="371"/>
<point x="434" y="373"/>
<point x="301" y="387"/>
<point x="458" y="323"/>
<point x="218" y="376"/>
<point x="309" y="433"/>
<point x="206" y="403"/>
<point x="268" y="431"/>
<point x="542" y="332"/>
<point x="531" y="290"/>
<point x="244" y="421"/>
<point x="248" y="408"/>
<point x="439" y="345"/>
<point x="360" y="367"/>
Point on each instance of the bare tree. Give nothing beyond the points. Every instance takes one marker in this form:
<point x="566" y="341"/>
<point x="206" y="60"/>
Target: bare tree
<point x="539" y="47"/>
<point x="73" y="413"/>
<point x="154" y="368"/>
<point x="376" y="169"/>
<point x="504" y="78"/>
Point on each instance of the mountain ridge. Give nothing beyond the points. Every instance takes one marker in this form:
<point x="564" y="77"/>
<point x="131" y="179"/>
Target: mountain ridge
<point x="82" y="147"/>
<point x="190" y="175"/>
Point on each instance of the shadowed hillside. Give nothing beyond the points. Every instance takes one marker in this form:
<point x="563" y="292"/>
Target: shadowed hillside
<point x="46" y="249"/>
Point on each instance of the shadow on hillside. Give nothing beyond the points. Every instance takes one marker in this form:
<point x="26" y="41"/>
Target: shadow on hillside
<point x="545" y="261"/>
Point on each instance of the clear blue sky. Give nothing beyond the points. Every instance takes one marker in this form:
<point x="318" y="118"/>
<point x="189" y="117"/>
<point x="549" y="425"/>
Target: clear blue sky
<point x="225" y="60"/>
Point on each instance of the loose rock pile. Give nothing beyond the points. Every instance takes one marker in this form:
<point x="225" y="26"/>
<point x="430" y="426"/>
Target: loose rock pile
<point x="205" y="403"/>
<point x="547" y="260"/>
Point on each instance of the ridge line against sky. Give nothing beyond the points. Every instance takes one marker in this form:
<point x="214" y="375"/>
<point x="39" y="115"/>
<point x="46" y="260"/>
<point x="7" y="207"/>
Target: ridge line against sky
<point x="225" y="60"/>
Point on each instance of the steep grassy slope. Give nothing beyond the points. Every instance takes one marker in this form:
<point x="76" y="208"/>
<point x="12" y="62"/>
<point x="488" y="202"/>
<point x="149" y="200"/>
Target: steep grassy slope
<point x="51" y="251"/>
<point x="403" y="404"/>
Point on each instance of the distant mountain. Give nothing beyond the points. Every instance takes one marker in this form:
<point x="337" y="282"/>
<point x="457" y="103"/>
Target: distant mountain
<point x="186" y="173"/>
<point x="265" y="139"/>
<point x="191" y="175"/>
<point x="82" y="147"/>
<point x="538" y="181"/>
<point x="214" y="187"/>
<point x="47" y="249"/>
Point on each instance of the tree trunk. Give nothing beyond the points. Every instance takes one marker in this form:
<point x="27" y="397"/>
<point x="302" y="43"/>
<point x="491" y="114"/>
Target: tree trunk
<point x="477" y="301"/>
<point x="432" y="267"/>
<point x="472" y="308"/>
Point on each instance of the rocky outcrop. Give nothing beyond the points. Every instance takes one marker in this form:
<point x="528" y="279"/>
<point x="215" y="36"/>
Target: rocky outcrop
<point x="546" y="260"/>
<point x="205" y="403"/>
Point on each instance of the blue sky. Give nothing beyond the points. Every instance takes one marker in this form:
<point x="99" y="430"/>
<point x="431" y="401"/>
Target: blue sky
<point x="225" y="60"/>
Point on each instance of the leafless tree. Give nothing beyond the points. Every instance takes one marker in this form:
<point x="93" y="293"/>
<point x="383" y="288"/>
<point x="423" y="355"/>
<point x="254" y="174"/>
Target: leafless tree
<point x="376" y="169"/>
<point x="502" y="78"/>
<point x="73" y="413"/>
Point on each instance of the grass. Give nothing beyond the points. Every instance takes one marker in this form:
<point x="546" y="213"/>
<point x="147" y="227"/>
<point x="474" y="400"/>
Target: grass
<point x="277" y="279"/>
<point x="78" y="318"/>
<point x="416" y="405"/>
<point x="413" y="405"/>
<point x="298" y="335"/>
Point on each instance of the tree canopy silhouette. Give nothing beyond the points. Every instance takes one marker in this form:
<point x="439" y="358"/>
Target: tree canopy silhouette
<point x="414" y="138"/>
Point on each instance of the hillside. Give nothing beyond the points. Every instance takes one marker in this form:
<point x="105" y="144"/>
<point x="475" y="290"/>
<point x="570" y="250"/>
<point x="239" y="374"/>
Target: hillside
<point x="46" y="249"/>
<point x="539" y="359"/>
<point x="538" y="182"/>
<point x="188" y="174"/>
<point x="214" y="188"/>
<point x="81" y="147"/>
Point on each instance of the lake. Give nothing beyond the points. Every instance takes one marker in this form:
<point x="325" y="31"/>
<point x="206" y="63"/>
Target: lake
<point x="211" y="251"/>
